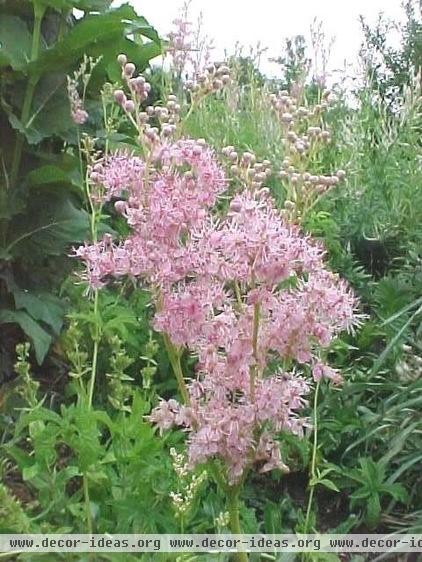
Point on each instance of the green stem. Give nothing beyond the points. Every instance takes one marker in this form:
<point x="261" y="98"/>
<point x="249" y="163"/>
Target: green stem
<point x="39" y="10"/>
<point x="97" y="337"/>
<point x="234" y="521"/>
<point x="174" y="357"/>
<point x="313" y="461"/>
<point x="87" y="504"/>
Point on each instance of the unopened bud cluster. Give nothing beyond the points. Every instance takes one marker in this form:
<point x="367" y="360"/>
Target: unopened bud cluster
<point x="146" y="120"/>
<point x="303" y="131"/>
<point x="139" y="88"/>
<point x="306" y="181"/>
<point x="213" y="79"/>
<point x="245" y="166"/>
<point x="302" y="126"/>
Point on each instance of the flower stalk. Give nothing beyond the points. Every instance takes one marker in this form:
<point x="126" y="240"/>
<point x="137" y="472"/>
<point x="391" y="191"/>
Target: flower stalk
<point x="234" y="520"/>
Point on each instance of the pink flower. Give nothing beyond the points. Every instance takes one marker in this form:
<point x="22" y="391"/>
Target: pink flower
<point x="238" y="289"/>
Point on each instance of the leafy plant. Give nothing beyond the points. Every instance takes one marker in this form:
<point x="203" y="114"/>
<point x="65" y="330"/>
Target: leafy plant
<point x="371" y="486"/>
<point x="41" y="191"/>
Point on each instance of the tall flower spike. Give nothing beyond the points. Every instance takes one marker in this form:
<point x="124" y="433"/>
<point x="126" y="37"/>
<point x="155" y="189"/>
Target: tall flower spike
<point x="237" y="289"/>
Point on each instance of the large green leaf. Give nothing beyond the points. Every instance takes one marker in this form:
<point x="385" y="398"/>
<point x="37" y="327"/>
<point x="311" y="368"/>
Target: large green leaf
<point x="50" y="111"/>
<point x="53" y="174"/>
<point x="44" y="307"/>
<point x="87" y="35"/>
<point x="140" y="55"/>
<point x="41" y="340"/>
<point x="53" y="223"/>
<point x="86" y="5"/>
<point x="15" y="42"/>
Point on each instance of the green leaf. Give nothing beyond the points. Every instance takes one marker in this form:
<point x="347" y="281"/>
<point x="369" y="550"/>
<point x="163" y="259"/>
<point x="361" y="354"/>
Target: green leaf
<point x="396" y="491"/>
<point x="86" y="5"/>
<point x="95" y="30"/>
<point x="15" y="42"/>
<point x="41" y="340"/>
<point x="140" y="55"/>
<point x="44" y="307"/>
<point x="50" y="111"/>
<point x="328" y="484"/>
<point x="30" y="472"/>
<point x="53" y="223"/>
<point x="373" y="510"/>
<point x="54" y="174"/>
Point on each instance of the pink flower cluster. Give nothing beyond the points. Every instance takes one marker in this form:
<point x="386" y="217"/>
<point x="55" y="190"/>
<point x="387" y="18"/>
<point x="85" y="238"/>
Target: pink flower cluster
<point x="165" y="202"/>
<point x="238" y="288"/>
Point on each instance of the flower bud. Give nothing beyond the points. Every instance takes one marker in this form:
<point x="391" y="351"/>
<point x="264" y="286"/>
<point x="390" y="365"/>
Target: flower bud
<point x="129" y="69"/>
<point x="248" y="157"/>
<point x="122" y="59"/>
<point x="120" y="207"/>
<point x="235" y="206"/>
<point x="227" y="150"/>
<point x="167" y="130"/>
<point x="119" y="96"/>
<point x="129" y="106"/>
